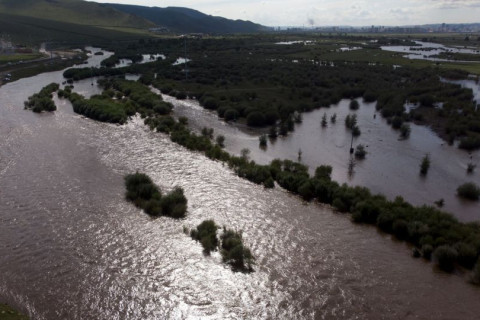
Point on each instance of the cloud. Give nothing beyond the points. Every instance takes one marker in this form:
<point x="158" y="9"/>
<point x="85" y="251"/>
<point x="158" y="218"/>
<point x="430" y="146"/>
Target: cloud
<point x="456" y="4"/>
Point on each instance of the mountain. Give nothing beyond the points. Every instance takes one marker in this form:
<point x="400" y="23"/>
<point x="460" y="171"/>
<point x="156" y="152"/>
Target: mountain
<point x="74" y="12"/>
<point x="186" y="20"/>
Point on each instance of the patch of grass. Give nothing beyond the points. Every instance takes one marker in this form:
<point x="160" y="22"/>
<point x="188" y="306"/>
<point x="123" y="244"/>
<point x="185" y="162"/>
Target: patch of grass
<point x="7" y="313"/>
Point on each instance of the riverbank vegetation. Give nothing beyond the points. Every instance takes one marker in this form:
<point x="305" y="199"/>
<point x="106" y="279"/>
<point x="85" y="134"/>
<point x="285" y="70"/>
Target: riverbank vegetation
<point x="42" y="101"/>
<point x="256" y="81"/>
<point x="434" y="233"/>
<point x="120" y="100"/>
<point x="144" y="194"/>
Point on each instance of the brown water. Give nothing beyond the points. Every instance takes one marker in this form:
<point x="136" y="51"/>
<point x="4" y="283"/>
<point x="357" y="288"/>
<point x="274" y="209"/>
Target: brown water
<point x="71" y="247"/>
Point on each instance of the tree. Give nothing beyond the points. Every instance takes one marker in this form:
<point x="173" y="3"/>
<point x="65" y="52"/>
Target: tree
<point x="324" y="120"/>
<point x="263" y="140"/>
<point x="354" y="105"/>
<point x="405" y="131"/>
<point x="360" y="152"/>
<point x="333" y="118"/>
<point x="425" y="165"/>
<point x="469" y="191"/>
<point x="221" y="141"/>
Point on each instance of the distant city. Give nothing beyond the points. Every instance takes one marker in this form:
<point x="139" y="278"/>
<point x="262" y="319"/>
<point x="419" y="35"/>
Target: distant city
<point x="428" y="28"/>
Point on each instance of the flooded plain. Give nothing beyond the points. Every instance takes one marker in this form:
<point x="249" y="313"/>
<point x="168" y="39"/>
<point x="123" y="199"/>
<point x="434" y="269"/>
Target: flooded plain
<point x="71" y="247"/>
<point x="391" y="166"/>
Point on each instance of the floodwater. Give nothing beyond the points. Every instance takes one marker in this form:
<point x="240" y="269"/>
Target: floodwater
<point x="426" y="51"/>
<point x="71" y="247"/>
<point x="391" y="166"/>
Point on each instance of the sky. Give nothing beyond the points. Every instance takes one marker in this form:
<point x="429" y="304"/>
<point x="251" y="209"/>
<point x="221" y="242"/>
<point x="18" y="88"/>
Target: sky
<point x="330" y="12"/>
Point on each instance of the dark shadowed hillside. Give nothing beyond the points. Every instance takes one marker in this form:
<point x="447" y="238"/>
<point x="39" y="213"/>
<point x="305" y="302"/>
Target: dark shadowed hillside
<point x="188" y="20"/>
<point x="73" y="11"/>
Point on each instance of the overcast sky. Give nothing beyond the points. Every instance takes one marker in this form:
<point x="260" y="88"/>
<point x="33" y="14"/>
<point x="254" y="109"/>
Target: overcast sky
<point x="330" y="12"/>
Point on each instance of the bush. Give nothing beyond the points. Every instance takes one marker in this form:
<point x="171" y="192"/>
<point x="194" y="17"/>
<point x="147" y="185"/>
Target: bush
<point x="174" y="204"/>
<point x="354" y="105"/>
<point x="206" y="233"/>
<point x="425" y="165"/>
<point x="234" y="252"/>
<point x="445" y="256"/>
<point x="405" y="131"/>
<point x="427" y="251"/>
<point x="360" y="152"/>
<point x="469" y="191"/>
<point x="146" y="195"/>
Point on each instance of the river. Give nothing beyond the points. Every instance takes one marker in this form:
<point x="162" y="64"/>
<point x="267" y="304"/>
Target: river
<point x="71" y="247"/>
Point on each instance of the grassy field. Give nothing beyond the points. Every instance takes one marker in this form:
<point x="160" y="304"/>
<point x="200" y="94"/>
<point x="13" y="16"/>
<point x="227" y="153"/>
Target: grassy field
<point x="7" y="313"/>
<point x="73" y="11"/>
<point x="33" y="31"/>
<point x="19" y="57"/>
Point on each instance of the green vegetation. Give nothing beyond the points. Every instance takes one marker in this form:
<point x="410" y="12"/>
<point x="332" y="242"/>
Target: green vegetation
<point x="360" y="152"/>
<point x="405" y="131"/>
<point x="253" y="80"/>
<point x="425" y="165"/>
<point x="206" y="233"/>
<point x="446" y="256"/>
<point x="234" y="252"/>
<point x="73" y="11"/>
<point x="19" y="57"/>
<point x="130" y="97"/>
<point x="324" y="122"/>
<point x="145" y="195"/>
<point x="354" y="105"/>
<point x="42" y="101"/>
<point x="231" y="245"/>
<point x="469" y="191"/>
<point x="7" y="313"/>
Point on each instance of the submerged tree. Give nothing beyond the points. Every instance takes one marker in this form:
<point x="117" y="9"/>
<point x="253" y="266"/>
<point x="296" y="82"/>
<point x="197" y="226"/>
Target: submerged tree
<point x="324" y="121"/>
<point x="425" y="165"/>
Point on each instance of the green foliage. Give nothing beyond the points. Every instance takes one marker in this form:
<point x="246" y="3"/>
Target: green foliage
<point x="145" y="195"/>
<point x="234" y="252"/>
<point x="354" y="105"/>
<point x="405" y="131"/>
<point x="42" y="101"/>
<point x="446" y="256"/>
<point x="263" y="140"/>
<point x="469" y="191"/>
<point x="360" y="152"/>
<point x="206" y="233"/>
<point x="323" y="172"/>
<point x="8" y="313"/>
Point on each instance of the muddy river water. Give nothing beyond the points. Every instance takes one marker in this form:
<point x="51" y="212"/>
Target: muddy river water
<point x="71" y="247"/>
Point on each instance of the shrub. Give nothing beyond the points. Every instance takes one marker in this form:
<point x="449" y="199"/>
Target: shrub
<point x="469" y="191"/>
<point x="323" y="172"/>
<point x="467" y="255"/>
<point x="206" y="233"/>
<point x="445" y="256"/>
<point x="174" y="204"/>
<point x="146" y="195"/>
<point x="427" y="251"/>
<point x="405" y="131"/>
<point x="234" y="252"/>
<point x="360" y="152"/>
<point x="425" y="165"/>
<point x="354" y="105"/>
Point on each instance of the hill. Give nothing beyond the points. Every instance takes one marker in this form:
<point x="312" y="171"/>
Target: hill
<point x="74" y="12"/>
<point x="33" y="31"/>
<point x="186" y="20"/>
